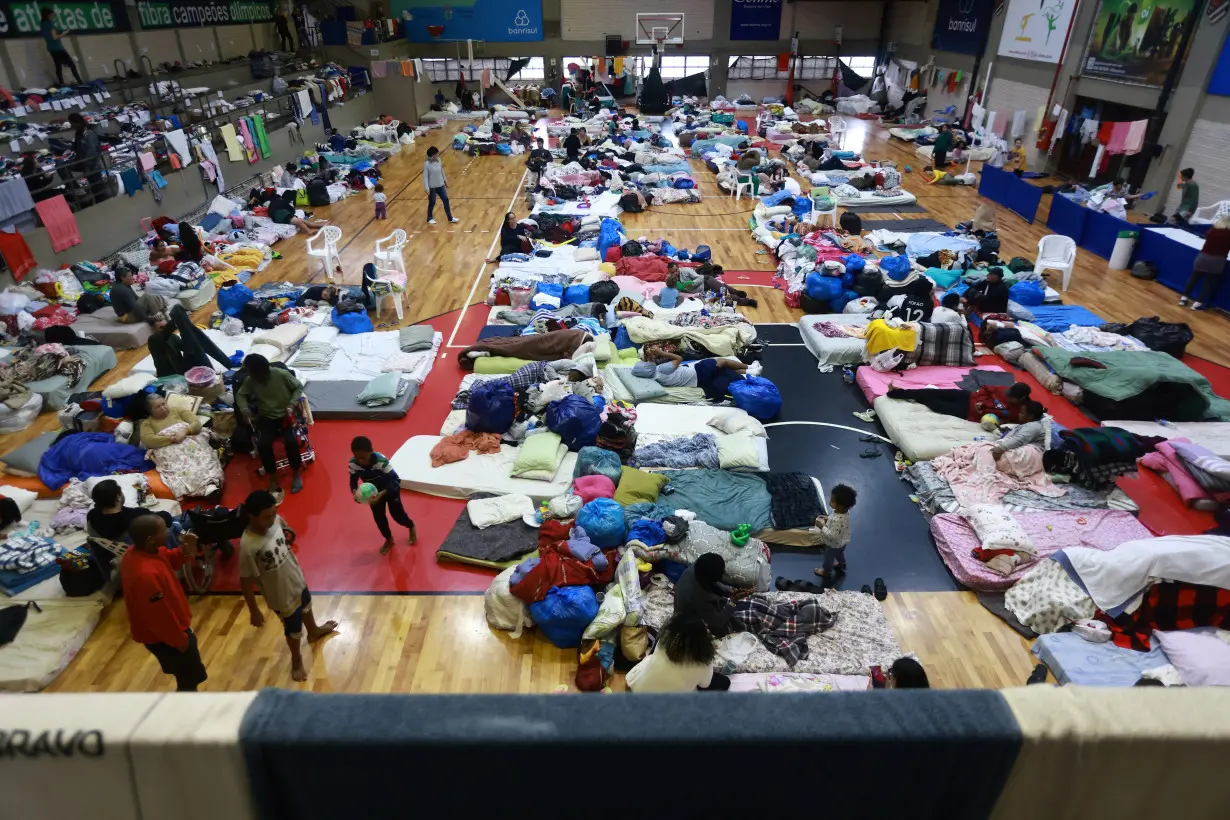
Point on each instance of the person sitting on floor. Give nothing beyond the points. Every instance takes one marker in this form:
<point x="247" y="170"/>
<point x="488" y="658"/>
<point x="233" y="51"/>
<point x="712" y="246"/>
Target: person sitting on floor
<point x="108" y="521"/>
<point x="700" y="593"/>
<point x="177" y="345"/>
<point x="161" y="252"/>
<point x="906" y="673"/>
<point x="990" y="295"/>
<point x="130" y="308"/>
<point x="682" y="660"/>
<point x="949" y="311"/>
<point x="1031" y="430"/>
<point x="514" y="237"/>
<point x="714" y="376"/>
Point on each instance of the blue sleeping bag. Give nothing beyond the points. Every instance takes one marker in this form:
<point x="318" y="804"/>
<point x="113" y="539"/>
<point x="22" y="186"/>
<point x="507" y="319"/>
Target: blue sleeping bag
<point x="86" y="455"/>
<point x="776" y="198"/>
<point x="608" y="236"/>
<point x="1029" y="294"/>
<point x="576" y="294"/>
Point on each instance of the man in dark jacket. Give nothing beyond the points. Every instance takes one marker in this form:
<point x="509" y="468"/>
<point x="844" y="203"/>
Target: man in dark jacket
<point x="989" y="295"/>
<point x="700" y="592"/>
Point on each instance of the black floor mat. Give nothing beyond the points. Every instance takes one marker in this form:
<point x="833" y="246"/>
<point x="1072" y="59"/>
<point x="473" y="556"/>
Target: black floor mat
<point x="890" y="538"/>
<point x="908" y="208"/>
<point x="994" y="603"/>
<point x="496" y="331"/>
<point x="779" y="334"/>
<point x="904" y="225"/>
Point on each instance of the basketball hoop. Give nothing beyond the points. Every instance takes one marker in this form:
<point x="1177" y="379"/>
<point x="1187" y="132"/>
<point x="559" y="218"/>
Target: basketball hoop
<point x="435" y="31"/>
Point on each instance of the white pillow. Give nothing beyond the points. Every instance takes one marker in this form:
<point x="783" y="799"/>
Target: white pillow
<point x="737" y="452"/>
<point x="273" y="354"/>
<point x="129" y="385"/>
<point x="126" y="482"/>
<point x="585" y="255"/>
<point x="485" y="512"/>
<point x="998" y="530"/>
<point x="23" y="497"/>
<point x="737" y="421"/>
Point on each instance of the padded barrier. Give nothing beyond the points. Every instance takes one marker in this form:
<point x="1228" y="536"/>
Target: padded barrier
<point x="1174" y="261"/>
<point x="1102" y="231"/>
<point x="950" y="754"/>
<point x="1067" y="218"/>
<point x="1010" y="191"/>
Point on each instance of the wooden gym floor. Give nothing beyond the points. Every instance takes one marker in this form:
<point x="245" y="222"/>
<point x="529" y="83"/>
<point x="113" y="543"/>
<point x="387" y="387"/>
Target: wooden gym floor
<point x="441" y="643"/>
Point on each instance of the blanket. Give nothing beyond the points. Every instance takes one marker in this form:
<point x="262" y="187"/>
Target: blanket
<point x="680" y="453"/>
<point x="1128" y="374"/>
<point x="27" y="365"/>
<point x="85" y="455"/>
<point x="977" y="478"/>
<point x="795" y="500"/>
<point x="540" y="347"/>
<point x="720" y="498"/>
<point x="720" y="341"/>
<point x="746" y="566"/>
<point x="782" y="626"/>
<point x="1169" y="607"/>
<point x="1115" y="579"/>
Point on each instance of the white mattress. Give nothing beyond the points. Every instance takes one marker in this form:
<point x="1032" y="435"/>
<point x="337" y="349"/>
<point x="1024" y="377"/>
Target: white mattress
<point x="921" y="433"/>
<point x="476" y="474"/>
<point x="1214" y="435"/>
<point x="47" y="642"/>
<point x="679" y="419"/>
<point x="560" y="262"/>
<point x="865" y="198"/>
<point x="910" y="134"/>
<point x="227" y="344"/>
<point x="604" y="204"/>
<point x="833" y="351"/>
<point x="360" y="356"/>
<point x="979" y="154"/>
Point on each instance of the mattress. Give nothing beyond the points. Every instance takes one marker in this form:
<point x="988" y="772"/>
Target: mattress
<point x="55" y="391"/>
<point x="241" y="343"/>
<point x="337" y="400"/>
<point x="875" y="384"/>
<point x="1215" y="435"/>
<point x="1048" y="531"/>
<point x="981" y="154"/>
<point x="46" y="643"/>
<point x="360" y="357"/>
<point x="1074" y="660"/>
<point x="797" y="682"/>
<point x="868" y="199"/>
<point x="828" y="351"/>
<point x="616" y="390"/>
<point x="920" y="433"/>
<point x="911" y="134"/>
<point x="199" y="297"/>
<point x="662" y="420"/>
<point x="604" y="204"/>
<point x="103" y="326"/>
<point x="476" y="474"/>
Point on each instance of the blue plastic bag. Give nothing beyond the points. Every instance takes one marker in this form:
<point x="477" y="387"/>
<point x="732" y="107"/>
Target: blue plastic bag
<point x="801" y="206"/>
<point x="1029" y="294"/>
<point x="354" y="322"/>
<point x="822" y="288"/>
<point x="597" y="461"/>
<point x="574" y="419"/>
<point x="603" y="521"/>
<point x="757" y="396"/>
<point x="683" y="255"/>
<point x="547" y="289"/>
<point x="895" y="267"/>
<point x="504" y="149"/>
<point x="492" y="407"/>
<point x="684" y="183"/>
<point x="854" y="263"/>
<point x="838" y="303"/>
<point x="609" y="235"/>
<point x="563" y="615"/>
<point x="648" y="532"/>
<point x="232" y="298"/>
<point x="576" y="294"/>
<point x="847" y="279"/>
<point x="702" y="253"/>
<point x="622" y="340"/>
<point x="667" y="249"/>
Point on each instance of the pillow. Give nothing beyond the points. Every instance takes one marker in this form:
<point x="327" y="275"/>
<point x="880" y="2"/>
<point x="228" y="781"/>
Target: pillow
<point x="128" y="386"/>
<point x="486" y="512"/>
<point x="737" y="422"/>
<point x="737" y="452"/>
<point x="380" y="391"/>
<point x="127" y="482"/>
<point x="190" y="403"/>
<point x="270" y="352"/>
<point x="589" y="487"/>
<point x="640" y="389"/>
<point x="284" y="337"/>
<point x="585" y="255"/>
<point x="538" y="454"/>
<point x="638" y="485"/>
<point x="997" y="529"/>
<point x="1203" y="659"/>
<point x="24" y="460"/>
<point x="24" y="498"/>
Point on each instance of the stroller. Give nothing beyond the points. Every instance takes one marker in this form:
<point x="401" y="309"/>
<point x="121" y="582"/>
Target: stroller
<point x="300" y="419"/>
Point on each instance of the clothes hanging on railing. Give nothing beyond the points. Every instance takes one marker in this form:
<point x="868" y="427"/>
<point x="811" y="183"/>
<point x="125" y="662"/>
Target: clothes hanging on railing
<point x="1136" y="136"/>
<point x="380" y="68"/>
<point x="16" y="254"/>
<point x="234" y="151"/>
<point x="178" y="140"/>
<point x="60" y="223"/>
<point x="262" y="139"/>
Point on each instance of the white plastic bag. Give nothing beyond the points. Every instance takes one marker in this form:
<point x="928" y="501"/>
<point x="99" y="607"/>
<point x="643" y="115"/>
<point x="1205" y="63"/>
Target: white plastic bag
<point x="12" y="421"/>
<point x="629" y="578"/>
<point x="736" y="647"/>
<point x="503" y="609"/>
<point x="13" y="302"/>
<point x="887" y="361"/>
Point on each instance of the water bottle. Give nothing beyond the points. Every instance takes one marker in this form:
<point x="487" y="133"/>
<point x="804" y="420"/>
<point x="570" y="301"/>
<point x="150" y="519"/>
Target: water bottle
<point x="847" y="375"/>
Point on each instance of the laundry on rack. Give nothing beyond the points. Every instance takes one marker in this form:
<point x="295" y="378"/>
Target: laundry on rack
<point x="158" y="180"/>
<point x="380" y="68"/>
<point x="1118" y="137"/>
<point x="1136" y="137"/>
<point x="262" y="139"/>
<point x="147" y="161"/>
<point x="16" y="204"/>
<point x="418" y="69"/>
<point x="179" y="141"/>
<point x="16" y="254"/>
<point x="60" y="223"/>
<point x="407" y="68"/>
<point x="1060" y="125"/>
<point x="1097" y="161"/>
<point x="1089" y="130"/>
<point x="234" y="151"/>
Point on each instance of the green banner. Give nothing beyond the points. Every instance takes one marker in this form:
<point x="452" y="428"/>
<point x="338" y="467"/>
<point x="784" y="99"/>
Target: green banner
<point x="97" y="17"/>
<point x="153" y="14"/>
<point x="1137" y="41"/>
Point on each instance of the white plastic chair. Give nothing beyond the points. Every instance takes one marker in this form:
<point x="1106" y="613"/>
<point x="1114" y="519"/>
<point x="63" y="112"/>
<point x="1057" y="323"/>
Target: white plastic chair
<point x="818" y="218"/>
<point x="743" y="182"/>
<point x="390" y="283"/>
<point x="322" y="245"/>
<point x="389" y="251"/>
<point x="837" y="130"/>
<point x="1056" y="253"/>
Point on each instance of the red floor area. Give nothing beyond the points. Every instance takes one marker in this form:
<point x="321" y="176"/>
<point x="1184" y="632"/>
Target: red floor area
<point x="749" y="278"/>
<point x="339" y="543"/>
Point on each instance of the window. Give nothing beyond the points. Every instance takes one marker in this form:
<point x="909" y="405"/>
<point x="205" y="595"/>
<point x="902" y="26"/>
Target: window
<point x="754" y="68"/>
<point x="805" y="68"/>
<point x="439" y="70"/>
<point x="450" y="70"/>
<point x="675" y="67"/>
<point x="814" y="68"/>
<point x="535" y="71"/>
<point x="863" y="66"/>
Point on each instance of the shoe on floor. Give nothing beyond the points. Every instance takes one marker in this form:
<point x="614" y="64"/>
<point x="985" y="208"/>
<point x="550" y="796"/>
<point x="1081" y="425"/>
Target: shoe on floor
<point x="454" y="219"/>
<point x="1182" y="301"/>
<point x="866" y="590"/>
<point x="1197" y="306"/>
<point x="867" y="416"/>
<point x="881" y="591"/>
<point x="1037" y="676"/>
<point x="782" y="584"/>
<point x="296" y="484"/>
<point x="431" y="222"/>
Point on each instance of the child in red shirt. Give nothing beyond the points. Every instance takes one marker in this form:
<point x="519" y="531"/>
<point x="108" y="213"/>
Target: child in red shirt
<point x="158" y="612"/>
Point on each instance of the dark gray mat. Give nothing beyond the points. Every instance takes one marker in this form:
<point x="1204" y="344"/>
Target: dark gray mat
<point x="779" y="334"/>
<point x="496" y="544"/>
<point x="905" y="225"/>
<point x="994" y="603"/>
<point x="331" y="401"/>
<point x="875" y="208"/>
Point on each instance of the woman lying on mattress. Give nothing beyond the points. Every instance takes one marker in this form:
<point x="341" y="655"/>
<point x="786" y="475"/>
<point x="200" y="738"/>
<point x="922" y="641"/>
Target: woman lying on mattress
<point x="714" y="376"/>
<point x="1003" y="402"/>
<point x="186" y="462"/>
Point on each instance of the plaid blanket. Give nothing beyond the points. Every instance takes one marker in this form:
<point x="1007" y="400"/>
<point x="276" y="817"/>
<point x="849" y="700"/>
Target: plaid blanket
<point x="27" y="553"/>
<point x="1096" y="456"/>
<point x="943" y="344"/>
<point x="782" y="627"/>
<point x="1169" y="606"/>
<point x="795" y="502"/>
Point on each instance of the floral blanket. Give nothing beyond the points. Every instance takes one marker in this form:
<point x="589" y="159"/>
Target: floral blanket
<point x="190" y="467"/>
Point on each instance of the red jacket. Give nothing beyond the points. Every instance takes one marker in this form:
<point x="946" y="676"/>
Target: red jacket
<point x="157" y="606"/>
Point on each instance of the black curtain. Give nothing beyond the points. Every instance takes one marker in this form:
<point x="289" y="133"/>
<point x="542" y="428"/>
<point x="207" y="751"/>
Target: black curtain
<point x="654" y="97"/>
<point x="850" y="79"/>
<point x="691" y="85"/>
<point x="514" y="66"/>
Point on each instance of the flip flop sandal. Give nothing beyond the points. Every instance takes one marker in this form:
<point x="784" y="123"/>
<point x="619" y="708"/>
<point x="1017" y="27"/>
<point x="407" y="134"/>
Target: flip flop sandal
<point x="871" y="440"/>
<point x="870" y="453"/>
<point x="881" y="591"/>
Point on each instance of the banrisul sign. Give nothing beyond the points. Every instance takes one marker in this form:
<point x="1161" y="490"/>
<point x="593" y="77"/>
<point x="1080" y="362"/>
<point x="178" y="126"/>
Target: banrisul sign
<point x="193" y="13"/>
<point x="25" y="19"/>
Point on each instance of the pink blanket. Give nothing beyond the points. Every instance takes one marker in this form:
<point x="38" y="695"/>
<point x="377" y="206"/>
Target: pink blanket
<point x="875" y="384"/>
<point x="977" y="478"/>
<point x="1165" y="460"/>
<point x="634" y="285"/>
<point x="1049" y="532"/>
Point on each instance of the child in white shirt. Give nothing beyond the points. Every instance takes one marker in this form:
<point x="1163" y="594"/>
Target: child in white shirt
<point x="835" y="531"/>
<point x="378" y="197"/>
<point x="682" y="661"/>
<point x="947" y="312"/>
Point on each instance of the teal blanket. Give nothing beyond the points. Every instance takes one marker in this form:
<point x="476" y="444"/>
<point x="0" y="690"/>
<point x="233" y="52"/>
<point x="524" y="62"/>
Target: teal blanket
<point x="720" y="498"/>
<point x="1130" y="373"/>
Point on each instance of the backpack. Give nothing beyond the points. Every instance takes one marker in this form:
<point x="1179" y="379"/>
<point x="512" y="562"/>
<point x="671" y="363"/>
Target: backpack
<point x="318" y="192"/>
<point x="1141" y="270"/>
<point x="988" y="248"/>
<point x="1020" y="263"/>
<point x="851" y="223"/>
<point x="301" y="198"/>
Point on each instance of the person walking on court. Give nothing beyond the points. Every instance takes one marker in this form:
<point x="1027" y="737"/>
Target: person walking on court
<point x="435" y="183"/>
<point x="943" y="143"/>
<point x="53" y="36"/>
<point x="282" y="24"/>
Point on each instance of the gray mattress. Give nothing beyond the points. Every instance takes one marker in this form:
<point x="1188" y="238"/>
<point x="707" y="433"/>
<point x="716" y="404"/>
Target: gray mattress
<point x="56" y="390"/>
<point x="336" y="400"/>
<point x="103" y="326"/>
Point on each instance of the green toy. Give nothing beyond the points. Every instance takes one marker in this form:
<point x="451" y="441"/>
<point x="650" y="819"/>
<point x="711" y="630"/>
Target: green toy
<point x="741" y="535"/>
<point x="366" y="491"/>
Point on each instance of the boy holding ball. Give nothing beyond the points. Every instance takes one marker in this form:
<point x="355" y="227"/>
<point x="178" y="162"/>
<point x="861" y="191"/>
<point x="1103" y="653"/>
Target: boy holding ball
<point x="374" y="482"/>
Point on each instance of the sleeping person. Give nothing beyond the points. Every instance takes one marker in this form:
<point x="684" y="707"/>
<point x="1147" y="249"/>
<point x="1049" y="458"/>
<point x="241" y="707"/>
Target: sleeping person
<point x="997" y="400"/>
<point x="714" y="376"/>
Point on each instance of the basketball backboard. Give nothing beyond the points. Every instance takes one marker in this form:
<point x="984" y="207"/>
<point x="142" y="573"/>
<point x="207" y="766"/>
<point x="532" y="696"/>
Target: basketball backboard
<point x="659" y="27"/>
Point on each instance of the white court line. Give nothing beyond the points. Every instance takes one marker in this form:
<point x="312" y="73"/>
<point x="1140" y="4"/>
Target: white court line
<point x="479" y="277"/>
<point x="827" y="424"/>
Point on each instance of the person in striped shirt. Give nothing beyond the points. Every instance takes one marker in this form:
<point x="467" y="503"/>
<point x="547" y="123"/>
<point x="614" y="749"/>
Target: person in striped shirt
<point x="368" y="466"/>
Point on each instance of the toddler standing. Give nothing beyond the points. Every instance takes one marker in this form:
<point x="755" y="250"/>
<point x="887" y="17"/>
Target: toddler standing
<point x="378" y="197"/>
<point x="835" y="531"/>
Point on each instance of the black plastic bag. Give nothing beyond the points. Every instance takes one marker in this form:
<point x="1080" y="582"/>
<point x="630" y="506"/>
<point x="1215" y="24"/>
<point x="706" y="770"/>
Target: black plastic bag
<point x="1166" y="337"/>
